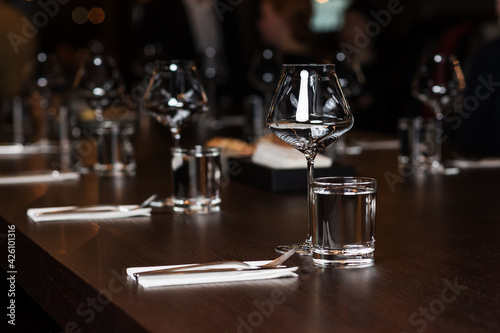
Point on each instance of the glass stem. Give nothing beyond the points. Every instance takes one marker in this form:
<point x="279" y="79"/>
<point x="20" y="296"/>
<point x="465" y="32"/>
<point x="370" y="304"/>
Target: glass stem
<point x="310" y="199"/>
<point x="176" y="136"/>
<point x="439" y="137"/>
<point x="43" y="119"/>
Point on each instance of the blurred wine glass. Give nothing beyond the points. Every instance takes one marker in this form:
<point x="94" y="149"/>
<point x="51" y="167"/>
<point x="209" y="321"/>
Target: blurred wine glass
<point x="263" y="75"/>
<point x="214" y="70"/>
<point x="352" y="81"/>
<point x="438" y="83"/>
<point x="350" y="74"/>
<point x="105" y="113"/>
<point x="46" y="95"/>
<point x="99" y="83"/>
<point x="309" y="112"/>
<point x="265" y="71"/>
<point x="175" y="95"/>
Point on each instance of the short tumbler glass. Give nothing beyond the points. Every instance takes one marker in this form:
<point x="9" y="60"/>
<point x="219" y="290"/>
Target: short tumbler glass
<point x="420" y="141"/>
<point x="115" y="148"/>
<point x="344" y="221"/>
<point x="196" y="179"/>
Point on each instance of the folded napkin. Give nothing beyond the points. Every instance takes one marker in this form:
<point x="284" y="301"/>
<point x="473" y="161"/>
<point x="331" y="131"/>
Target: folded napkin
<point x="209" y="277"/>
<point x="482" y="163"/>
<point x="37" y="177"/>
<point x="11" y="148"/>
<point x="282" y="157"/>
<point x="98" y="212"/>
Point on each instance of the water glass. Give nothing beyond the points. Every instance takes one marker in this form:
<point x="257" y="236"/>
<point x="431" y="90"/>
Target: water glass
<point x="115" y="148"/>
<point x="196" y="179"/>
<point x="420" y="142"/>
<point x="344" y="221"/>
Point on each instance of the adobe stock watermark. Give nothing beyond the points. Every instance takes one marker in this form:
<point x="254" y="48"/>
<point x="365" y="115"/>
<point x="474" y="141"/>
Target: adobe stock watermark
<point x="483" y="91"/>
<point x="263" y="309"/>
<point x="49" y="9"/>
<point x="420" y="319"/>
<point x="89" y="308"/>
<point x="372" y="29"/>
<point x="223" y="6"/>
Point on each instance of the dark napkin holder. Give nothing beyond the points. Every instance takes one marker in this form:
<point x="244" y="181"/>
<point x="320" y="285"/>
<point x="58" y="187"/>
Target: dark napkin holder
<point x="280" y="180"/>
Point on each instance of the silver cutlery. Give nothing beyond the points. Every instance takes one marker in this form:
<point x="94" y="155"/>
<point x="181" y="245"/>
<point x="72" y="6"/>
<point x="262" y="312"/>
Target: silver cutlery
<point x="217" y="267"/>
<point x="38" y="176"/>
<point x="100" y="208"/>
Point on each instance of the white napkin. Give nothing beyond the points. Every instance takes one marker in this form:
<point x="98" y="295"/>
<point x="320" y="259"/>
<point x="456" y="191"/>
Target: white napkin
<point x="94" y="213"/>
<point x="37" y="177"/>
<point x="231" y="276"/>
<point x="11" y="148"/>
<point x="8" y="149"/>
<point x="482" y="163"/>
<point x="281" y="157"/>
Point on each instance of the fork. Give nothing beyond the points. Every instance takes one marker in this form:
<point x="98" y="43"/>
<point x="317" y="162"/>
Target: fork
<point x="219" y="266"/>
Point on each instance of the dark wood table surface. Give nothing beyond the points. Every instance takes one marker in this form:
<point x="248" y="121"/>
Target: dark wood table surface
<point x="437" y="266"/>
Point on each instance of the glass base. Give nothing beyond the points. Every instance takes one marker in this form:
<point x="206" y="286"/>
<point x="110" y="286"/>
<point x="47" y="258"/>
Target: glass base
<point x="162" y="203"/>
<point x="304" y="249"/>
<point x="115" y="170"/>
<point x="430" y="167"/>
<point x="351" y="256"/>
<point x="193" y="206"/>
<point x="196" y="208"/>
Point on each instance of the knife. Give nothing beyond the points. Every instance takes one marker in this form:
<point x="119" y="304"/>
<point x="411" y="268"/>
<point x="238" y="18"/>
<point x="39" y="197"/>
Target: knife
<point x="89" y="209"/>
<point x="201" y="272"/>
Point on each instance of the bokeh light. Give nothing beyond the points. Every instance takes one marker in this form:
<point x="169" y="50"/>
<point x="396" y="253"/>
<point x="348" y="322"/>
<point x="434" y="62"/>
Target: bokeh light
<point x="80" y="15"/>
<point x="96" y="15"/>
<point x="42" y="57"/>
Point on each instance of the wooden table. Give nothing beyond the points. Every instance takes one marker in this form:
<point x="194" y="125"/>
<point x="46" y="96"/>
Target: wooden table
<point x="437" y="266"/>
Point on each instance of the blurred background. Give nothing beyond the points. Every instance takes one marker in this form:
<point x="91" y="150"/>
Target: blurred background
<point x="239" y="49"/>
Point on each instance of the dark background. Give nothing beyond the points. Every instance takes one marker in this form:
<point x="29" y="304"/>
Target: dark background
<point x="423" y="26"/>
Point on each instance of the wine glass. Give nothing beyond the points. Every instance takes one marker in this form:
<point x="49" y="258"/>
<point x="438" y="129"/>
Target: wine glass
<point x="350" y="74"/>
<point x="265" y="71"/>
<point x="175" y="95"/>
<point x="352" y="81"/>
<point x="99" y="83"/>
<point x="309" y="112"/>
<point x="438" y="83"/>
<point x="263" y="75"/>
<point x="105" y="114"/>
<point x="214" y="71"/>
<point x="46" y="95"/>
